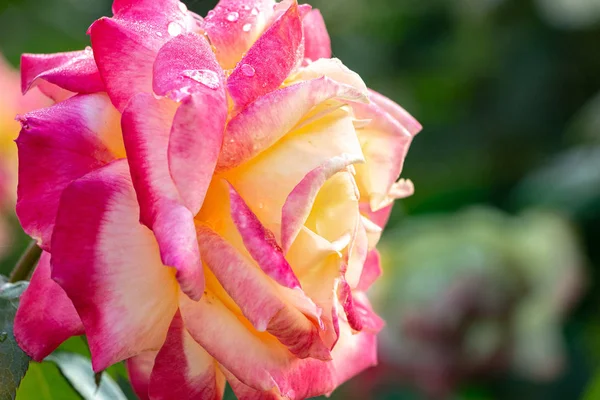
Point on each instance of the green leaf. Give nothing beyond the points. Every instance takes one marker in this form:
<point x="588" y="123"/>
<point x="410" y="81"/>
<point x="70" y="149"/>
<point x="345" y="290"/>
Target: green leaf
<point x="119" y="373"/>
<point x="78" y="371"/>
<point x="77" y="345"/>
<point x="45" y="382"/>
<point x="229" y="395"/>
<point x="593" y="390"/>
<point x="13" y="361"/>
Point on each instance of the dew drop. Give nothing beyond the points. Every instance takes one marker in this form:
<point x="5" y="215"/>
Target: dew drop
<point x="88" y="49"/>
<point x="208" y="78"/>
<point x="254" y="11"/>
<point x="261" y="205"/>
<point x="182" y="7"/>
<point x="180" y="94"/>
<point x="174" y="29"/>
<point x="210" y="14"/>
<point x="159" y="34"/>
<point x="248" y="70"/>
<point x="233" y="16"/>
<point x="247" y="27"/>
<point x="3" y="336"/>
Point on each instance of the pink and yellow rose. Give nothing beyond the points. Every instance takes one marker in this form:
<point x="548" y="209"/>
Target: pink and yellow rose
<point x="208" y="193"/>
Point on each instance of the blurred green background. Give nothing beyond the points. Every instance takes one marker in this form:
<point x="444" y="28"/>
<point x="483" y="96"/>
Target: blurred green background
<point x="509" y="94"/>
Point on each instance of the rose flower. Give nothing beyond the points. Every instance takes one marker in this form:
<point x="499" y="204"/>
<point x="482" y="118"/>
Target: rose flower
<point x="208" y="195"/>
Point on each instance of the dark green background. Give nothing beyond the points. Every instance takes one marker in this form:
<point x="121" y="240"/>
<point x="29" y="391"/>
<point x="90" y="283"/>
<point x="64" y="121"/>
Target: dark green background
<point x="501" y="90"/>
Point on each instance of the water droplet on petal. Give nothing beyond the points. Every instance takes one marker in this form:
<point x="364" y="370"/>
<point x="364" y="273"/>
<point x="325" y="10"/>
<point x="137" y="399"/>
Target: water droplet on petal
<point x="182" y="7"/>
<point x="254" y="11"/>
<point x="208" y="78"/>
<point x="233" y="16"/>
<point x="247" y="27"/>
<point x="210" y="14"/>
<point x="3" y="336"/>
<point x="159" y="34"/>
<point x="248" y="70"/>
<point x="261" y="205"/>
<point x="174" y="29"/>
<point x="88" y="49"/>
<point x="180" y="94"/>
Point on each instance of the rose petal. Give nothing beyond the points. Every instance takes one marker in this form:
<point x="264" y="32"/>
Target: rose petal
<point x="273" y="116"/>
<point x="354" y="353"/>
<point x="298" y="204"/>
<point x="46" y="317"/>
<point x="371" y="271"/>
<point x="187" y="64"/>
<point x="255" y="359"/>
<point x="234" y="25"/>
<point x="139" y="369"/>
<point x="371" y="322"/>
<point x="379" y="217"/>
<point x="259" y="299"/>
<point x="146" y="130"/>
<point x="378" y="175"/>
<point x="125" y="46"/>
<point x="56" y="146"/>
<point x="333" y="69"/>
<point x="74" y="71"/>
<point x="184" y="370"/>
<point x="347" y="299"/>
<point x="261" y="243"/>
<point x="109" y="265"/>
<point x="269" y="61"/>
<point x="317" y="43"/>
<point x="400" y="114"/>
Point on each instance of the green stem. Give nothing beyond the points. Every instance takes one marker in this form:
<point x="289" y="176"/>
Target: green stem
<point x="26" y="263"/>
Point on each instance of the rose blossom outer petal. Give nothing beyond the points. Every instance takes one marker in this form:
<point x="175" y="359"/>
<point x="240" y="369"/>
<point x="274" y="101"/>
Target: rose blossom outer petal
<point x="256" y="359"/>
<point x="272" y="116"/>
<point x="146" y="126"/>
<point x="347" y="299"/>
<point x="184" y="370"/>
<point x="317" y="43"/>
<point x="109" y="265"/>
<point x="353" y="354"/>
<point x="371" y="322"/>
<point x="379" y="217"/>
<point x="259" y="299"/>
<point x="139" y="369"/>
<point x="46" y="317"/>
<point x="56" y="146"/>
<point x="385" y="143"/>
<point x="72" y="71"/>
<point x="298" y="204"/>
<point x="400" y="114"/>
<point x="271" y="60"/>
<point x="371" y="271"/>
<point x="234" y="25"/>
<point x="186" y="64"/>
<point x="125" y="46"/>
<point x="333" y="69"/>
<point x="260" y="242"/>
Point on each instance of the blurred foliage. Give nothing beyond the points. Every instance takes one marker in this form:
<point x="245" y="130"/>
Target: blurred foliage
<point x="509" y="94"/>
<point x="475" y="293"/>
